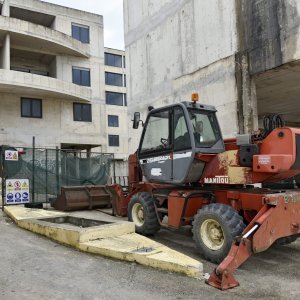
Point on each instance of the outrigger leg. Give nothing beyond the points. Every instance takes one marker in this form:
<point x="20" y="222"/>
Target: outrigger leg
<point x="279" y="217"/>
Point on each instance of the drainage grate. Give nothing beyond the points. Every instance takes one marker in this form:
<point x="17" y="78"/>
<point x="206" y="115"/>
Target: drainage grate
<point x="143" y="250"/>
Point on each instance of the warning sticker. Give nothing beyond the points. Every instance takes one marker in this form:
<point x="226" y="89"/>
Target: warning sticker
<point x="11" y="155"/>
<point x="264" y="160"/>
<point x="17" y="191"/>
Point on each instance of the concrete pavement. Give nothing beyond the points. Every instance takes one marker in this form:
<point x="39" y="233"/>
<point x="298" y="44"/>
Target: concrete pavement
<point x="33" y="267"/>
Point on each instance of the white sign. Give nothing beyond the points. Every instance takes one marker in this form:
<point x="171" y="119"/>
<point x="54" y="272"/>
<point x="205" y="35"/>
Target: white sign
<point x="17" y="191"/>
<point x="264" y="160"/>
<point x="156" y="172"/>
<point x="11" y="155"/>
<point x="217" y="179"/>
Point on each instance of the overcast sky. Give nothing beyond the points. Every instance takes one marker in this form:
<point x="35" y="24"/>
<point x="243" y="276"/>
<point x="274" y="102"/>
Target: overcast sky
<point x="112" y="12"/>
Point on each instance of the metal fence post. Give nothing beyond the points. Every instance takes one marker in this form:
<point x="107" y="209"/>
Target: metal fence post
<point x="57" y="171"/>
<point x="46" y="176"/>
<point x="33" y="169"/>
<point x="3" y="192"/>
<point x="3" y="181"/>
<point x="114" y="166"/>
<point x="2" y="177"/>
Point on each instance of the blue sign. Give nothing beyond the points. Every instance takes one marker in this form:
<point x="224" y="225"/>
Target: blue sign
<point x="18" y="197"/>
<point x="17" y="191"/>
<point x="25" y="195"/>
<point x="10" y="196"/>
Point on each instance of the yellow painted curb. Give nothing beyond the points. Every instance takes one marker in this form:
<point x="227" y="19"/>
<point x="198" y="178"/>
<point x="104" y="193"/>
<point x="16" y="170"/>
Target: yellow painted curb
<point x="17" y="213"/>
<point x="116" y="240"/>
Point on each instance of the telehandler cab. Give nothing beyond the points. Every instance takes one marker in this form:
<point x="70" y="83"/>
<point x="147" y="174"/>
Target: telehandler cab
<point x="184" y="173"/>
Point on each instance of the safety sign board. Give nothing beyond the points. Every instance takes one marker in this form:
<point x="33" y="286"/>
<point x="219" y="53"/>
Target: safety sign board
<point x="17" y="191"/>
<point x="11" y="155"/>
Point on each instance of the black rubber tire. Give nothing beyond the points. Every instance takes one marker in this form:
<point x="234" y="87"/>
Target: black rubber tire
<point x="232" y="225"/>
<point x="287" y="240"/>
<point x="151" y="224"/>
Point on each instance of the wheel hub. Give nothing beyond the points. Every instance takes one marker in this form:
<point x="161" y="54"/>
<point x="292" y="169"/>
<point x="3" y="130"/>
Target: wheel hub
<point x="138" y="214"/>
<point x="212" y="234"/>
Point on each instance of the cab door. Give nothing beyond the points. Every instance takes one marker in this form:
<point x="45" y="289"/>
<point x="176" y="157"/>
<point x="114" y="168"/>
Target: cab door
<point x="183" y="155"/>
<point x="155" y="149"/>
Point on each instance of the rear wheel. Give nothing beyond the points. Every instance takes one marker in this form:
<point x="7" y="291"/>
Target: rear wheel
<point x="214" y="228"/>
<point x="141" y="212"/>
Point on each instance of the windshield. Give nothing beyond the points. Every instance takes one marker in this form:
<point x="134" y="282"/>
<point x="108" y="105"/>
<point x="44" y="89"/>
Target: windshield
<point x="205" y="128"/>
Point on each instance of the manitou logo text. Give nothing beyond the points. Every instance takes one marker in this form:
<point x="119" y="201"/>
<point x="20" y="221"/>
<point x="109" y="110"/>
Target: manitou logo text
<point x="217" y="179"/>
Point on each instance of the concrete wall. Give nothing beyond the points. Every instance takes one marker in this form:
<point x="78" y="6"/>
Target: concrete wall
<point x="269" y="31"/>
<point x="55" y="127"/>
<point x="177" y="47"/>
<point x="269" y="34"/>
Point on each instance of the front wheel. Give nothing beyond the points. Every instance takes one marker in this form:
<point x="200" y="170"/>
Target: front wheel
<point x="141" y="212"/>
<point x="214" y="228"/>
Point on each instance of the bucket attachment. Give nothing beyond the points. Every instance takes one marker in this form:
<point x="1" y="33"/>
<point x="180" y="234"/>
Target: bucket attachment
<point x="259" y="235"/>
<point x="82" y="197"/>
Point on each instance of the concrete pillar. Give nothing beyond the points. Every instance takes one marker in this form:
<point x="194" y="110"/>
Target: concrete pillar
<point x="5" y="9"/>
<point x="6" y="52"/>
<point x="247" y="100"/>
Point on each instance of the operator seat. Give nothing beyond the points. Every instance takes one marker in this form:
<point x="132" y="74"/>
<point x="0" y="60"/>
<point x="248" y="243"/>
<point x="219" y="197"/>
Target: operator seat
<point x="182" y="142"/>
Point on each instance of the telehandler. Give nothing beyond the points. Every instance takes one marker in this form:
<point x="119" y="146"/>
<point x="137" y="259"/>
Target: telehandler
<point x="184" y="173"/>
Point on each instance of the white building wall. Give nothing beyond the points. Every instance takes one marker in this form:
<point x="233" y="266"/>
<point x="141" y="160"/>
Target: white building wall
<point x="57" y="126"/>
<point x="174" y="48"/>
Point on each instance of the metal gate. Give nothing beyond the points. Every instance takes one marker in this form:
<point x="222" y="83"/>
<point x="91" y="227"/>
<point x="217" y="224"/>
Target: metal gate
<point x="49" y="169"/>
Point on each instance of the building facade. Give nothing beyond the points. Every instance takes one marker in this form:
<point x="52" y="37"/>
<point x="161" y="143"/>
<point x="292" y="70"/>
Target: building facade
<point x="241" y="56"/>
<point x="116" y="102"/>
<point x="53" y="83"/>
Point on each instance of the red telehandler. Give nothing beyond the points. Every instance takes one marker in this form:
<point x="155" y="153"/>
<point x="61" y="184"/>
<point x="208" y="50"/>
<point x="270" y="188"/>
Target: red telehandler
<point x="184" y="173"/>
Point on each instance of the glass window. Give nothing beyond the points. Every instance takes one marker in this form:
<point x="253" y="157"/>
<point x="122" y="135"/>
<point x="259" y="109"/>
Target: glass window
<point x="76" y="32"/>
<point x="31" y="108"/>
<point x="113" y="79"/>
<point x="125" y="80"/>
<point x="81" y="33"/>
<point x="113" y="60"/>
<point x="113" y="121"/>
<point x="113" y="140"/>
<point x="82" y="112"/>
<point x="181" y="134"/>
<point x="205" y="127"/>
<point x="156" y="136"/>
<point x="113" y="98"/>
<point x="81" y="76"/>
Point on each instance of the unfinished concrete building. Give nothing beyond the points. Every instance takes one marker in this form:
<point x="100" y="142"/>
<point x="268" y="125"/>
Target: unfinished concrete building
<point x="241" y="56"/>
<point x="53" y="82"/>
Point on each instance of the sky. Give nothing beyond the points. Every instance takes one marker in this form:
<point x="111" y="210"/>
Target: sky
<point x="112" y="12"/>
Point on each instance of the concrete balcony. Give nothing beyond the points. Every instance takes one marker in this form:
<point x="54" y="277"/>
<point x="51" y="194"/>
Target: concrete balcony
<point x="26" y="84"/>
<point x="25" y="35"/>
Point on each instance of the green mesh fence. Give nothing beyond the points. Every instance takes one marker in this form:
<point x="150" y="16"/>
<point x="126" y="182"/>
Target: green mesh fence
<point x="53" y="168"/>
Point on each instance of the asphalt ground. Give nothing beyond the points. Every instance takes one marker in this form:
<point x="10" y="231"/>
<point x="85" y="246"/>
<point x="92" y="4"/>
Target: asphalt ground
<point x="34" y="267"/>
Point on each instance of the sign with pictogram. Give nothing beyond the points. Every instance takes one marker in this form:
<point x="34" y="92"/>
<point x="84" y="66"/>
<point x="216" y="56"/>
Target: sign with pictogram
<point x="17" y="191"/>
<point x="11" y="155"/>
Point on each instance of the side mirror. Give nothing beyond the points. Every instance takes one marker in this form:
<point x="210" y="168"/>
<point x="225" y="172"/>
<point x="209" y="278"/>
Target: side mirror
<point x="136" y="120"/>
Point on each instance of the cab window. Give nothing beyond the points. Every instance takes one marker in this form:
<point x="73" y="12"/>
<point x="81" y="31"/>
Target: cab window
<point x="205" y="128"/>
<point x="156" y="136"/>
<point x="182" y="139"/>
